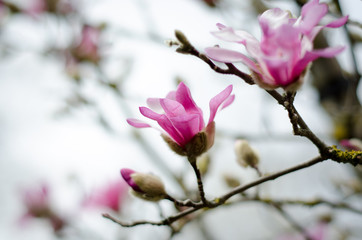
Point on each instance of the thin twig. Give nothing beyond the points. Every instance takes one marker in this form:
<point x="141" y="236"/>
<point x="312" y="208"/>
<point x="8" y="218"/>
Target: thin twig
<point x="199" y="182"/>
<point x="291" y="221"/>
<point x="240" y="189"/>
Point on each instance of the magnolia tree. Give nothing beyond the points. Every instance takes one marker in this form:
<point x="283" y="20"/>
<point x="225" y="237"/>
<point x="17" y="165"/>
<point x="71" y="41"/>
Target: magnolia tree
<point x="278" y="63"/>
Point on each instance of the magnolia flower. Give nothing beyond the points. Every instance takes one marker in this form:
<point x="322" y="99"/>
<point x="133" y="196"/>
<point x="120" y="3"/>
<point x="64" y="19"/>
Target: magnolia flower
<point x="352" y="144"/>
<point x="286" y="47"/>
<point x="317" y="232"/>
<point x="38" y="7"/>
<point x="88" y="47"/>
<point x="38" y="205"/>
<point x="182" y="119"/>
<point x="146" y="186"/>
<point x="110" y="196"/>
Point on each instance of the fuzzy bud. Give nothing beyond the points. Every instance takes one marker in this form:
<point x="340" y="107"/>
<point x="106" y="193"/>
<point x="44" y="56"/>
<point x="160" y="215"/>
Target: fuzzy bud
<point x="231" y="181"/>
<point x="146" y="186"/>
<point x="203" y="163"/>
<point x="245" y="155"/>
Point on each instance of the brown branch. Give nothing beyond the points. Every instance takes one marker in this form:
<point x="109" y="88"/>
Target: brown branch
<point x="164" y="222"/>
<point x="241" y="189"/>
<point x="291" y="221"/>
<point x="185" y="47"/>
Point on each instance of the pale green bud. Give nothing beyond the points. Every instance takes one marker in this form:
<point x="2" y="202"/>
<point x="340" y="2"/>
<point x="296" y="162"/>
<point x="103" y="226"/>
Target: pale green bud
<point x="245" y="155"/>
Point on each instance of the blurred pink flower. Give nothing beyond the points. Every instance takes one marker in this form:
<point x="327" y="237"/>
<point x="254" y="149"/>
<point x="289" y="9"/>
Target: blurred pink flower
<point x="38" y="7"/>
<point x="318" y="232"/>
<point x="37" y="205"/>
<point x="286" y="46"/>
<point x="84" y="49"/>
<point x="109" y="196"/>
<point x="88" y="47"/>
<point x="352" y="144"/>
<point x="182" y="118"/>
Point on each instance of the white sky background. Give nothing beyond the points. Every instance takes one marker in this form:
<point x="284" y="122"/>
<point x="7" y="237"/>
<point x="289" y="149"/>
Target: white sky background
<point x="74" y="153"/>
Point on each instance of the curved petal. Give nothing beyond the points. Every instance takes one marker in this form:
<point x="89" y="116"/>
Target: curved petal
<point x="150" y="114"/>
<point x="231" y="35"/>
<point x="167" y="125"/>
<point x="171" y="95"/>
<point x="183" y="96"/>
<point x="314" y="54"/>
<point x="154" y="104"/>
<point x="229" y="56"/>
<point x="219" y="99"/>
<point x="172" y="108"/>
<point x="337" y="23"/>
<point x="328" y="52"/>
<point x="228" y="101"/>
<point x="272" y="19"/>
<point x="187" y="125"/>
<point x="279" y="70"/>
<point x="312" y="13"/>
<point x="137" y="123"/>
<point x="126" y="174"/>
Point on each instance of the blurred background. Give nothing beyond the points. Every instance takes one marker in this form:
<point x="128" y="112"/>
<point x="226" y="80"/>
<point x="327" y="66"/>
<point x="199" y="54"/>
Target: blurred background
<point x="72" y="72"/>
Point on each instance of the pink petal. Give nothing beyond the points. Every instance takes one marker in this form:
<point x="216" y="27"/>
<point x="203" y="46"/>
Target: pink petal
<point x="272" y="19"/>
<point x="187" y="125"/>
<point x="238" y="36"/>
<point x="171" y="95"/>
<point x="154" y="104"/>
<point x="183" y="96"/>
<point x="149" y="113"/>
<point x="228" y="101"/>
<point x="221" y="26"/>
<point x="328" y="52"/>
<point x="229" y="56"/>
<point x="137" y="123"/>
<point x="172" y="108"/>
<point x="230" y="35"/>
<point x="164" y="123"/>
<point x="314" y="54"/>
<point x="167" y="125"/>
<point x="219" y="99"/>
<point x="279" y="70"/>
<point x="312" y="13"/>
<point x="126" y="174"/>
<point x="337" y="23"/>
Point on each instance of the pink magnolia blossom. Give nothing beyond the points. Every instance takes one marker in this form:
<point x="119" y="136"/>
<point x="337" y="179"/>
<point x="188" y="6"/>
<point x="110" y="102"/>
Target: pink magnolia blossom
<point x="182" y="118"/>
<point x="38" y="7"/>
<point x="352" y="144"/>
<point x="37" y="205"/>
<point x="110" y="196"/>
<point x="317" y="232"/>
<point x="286" y="46"/>
<point x="88" y="47"/>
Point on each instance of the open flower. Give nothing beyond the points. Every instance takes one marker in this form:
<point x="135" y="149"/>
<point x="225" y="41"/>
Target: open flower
<point x="286" y="46"/>
<point x="182" y="119"/>
<point x="37" y="204"/>
<point x="87" y="49"/>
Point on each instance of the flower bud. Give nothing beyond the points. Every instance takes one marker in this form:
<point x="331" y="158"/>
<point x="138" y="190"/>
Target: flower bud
<point x="203" y="163"/>
<point x="231" y="181"/>
<point x="245" y="155"/>
<point x="146" y="186"/>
